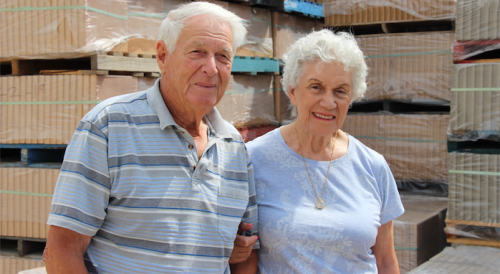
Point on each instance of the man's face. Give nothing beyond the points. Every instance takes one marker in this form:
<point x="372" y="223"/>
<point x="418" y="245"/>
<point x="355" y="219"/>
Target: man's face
<point x="197" y="72"/>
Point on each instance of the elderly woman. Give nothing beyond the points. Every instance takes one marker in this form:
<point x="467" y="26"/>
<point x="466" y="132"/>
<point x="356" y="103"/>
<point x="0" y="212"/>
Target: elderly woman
<point x="326" y="201"/>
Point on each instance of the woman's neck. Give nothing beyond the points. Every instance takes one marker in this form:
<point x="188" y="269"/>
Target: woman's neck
<point x="313" y="146"/>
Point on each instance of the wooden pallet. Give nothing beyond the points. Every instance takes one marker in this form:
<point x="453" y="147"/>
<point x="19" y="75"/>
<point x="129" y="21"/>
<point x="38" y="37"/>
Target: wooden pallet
<point x="402" y="106"/>
<point x="31" y="155"/>
<point x="21" y="246"/>
<point x="477" y="147"/>
<point x="119" y="63"/>
<point x="400" y="26"/>
<point x="476" y="51"/>
<point x="457" y="239"/>
<point x="303" y="8"/>
<point x="100" y="63"/>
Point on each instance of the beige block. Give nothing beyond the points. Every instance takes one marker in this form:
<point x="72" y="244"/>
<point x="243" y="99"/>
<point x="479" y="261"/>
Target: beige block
<point x="407" y="142"/>
<point x="401" y="65"/>
<point x="13" y="264"/>
<point x="26" y="205"/>
<point x="248" y="101"/>
<point x="52" y="122"/>
<point x="418" y="233"/>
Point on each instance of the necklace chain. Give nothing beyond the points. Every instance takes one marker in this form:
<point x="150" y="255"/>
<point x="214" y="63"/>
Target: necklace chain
<point x="320" y="204"/>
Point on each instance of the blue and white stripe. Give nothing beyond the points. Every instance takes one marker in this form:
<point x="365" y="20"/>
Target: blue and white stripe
<point x="129" y="180"/>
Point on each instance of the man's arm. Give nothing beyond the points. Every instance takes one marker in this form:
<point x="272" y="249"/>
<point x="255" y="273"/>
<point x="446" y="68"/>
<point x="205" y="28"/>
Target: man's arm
<point x="243" y="245"/>
<point x="247" y="267"/>
<point x="64" y="251"/>
<point x="387" y="262"/>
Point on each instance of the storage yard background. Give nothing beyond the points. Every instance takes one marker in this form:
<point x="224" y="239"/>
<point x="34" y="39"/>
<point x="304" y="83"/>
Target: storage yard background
<point x="432" y="107"/>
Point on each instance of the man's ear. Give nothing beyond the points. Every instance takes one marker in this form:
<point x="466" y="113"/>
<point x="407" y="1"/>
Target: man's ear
<point x="161" y="55"/>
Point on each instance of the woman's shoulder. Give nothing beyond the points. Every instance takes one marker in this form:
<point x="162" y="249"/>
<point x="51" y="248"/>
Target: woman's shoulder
<point x="365" y="152"/>
<point x="263" y="141"/>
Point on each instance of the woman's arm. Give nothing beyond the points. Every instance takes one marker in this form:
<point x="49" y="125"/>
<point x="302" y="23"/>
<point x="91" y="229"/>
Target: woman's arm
<point x="387" y="262"/>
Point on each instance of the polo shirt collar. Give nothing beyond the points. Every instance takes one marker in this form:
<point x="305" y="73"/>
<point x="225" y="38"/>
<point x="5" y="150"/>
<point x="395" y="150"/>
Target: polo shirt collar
<point x="155" y="100"/>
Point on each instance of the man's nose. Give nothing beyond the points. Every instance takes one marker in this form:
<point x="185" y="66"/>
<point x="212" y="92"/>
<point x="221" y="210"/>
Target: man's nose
<point x="210" y="65"/>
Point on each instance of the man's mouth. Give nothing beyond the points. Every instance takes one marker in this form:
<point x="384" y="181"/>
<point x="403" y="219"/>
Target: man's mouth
<point x="327" y="117"/>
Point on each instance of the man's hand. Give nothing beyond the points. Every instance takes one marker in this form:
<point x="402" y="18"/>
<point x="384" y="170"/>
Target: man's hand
<point x="243" y="245"/>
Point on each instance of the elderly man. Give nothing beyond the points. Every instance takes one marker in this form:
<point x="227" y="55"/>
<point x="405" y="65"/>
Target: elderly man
<point x="157" y="181"/>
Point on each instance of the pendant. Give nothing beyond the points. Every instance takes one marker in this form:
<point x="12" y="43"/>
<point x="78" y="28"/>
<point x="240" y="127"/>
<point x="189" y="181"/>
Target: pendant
<point x="320" y="204"/>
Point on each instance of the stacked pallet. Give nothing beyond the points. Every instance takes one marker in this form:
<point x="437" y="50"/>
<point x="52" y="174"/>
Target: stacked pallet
<point x="74" y="28"/>
<point x="408" y="66"/>
<point x="248" y="101"/>
<point x="477" y="30"/>
<point x="13" y="265"/>
<point x="288" y="28"/>
<point x="414" y="146"/>
<point x="418" y="233"/>
<point x="345" y="12"/>
<point x="475" y="102"/>
<point x="462" y="259"/>
<point x="45" y="109"/>
<point x="474" y="130"/>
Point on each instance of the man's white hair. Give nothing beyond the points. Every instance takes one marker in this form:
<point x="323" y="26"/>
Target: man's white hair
<point x="328" y="47"/>
<point x="172" y="26"/>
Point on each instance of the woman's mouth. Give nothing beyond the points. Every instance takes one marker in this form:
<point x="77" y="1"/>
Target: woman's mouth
<point x="322" y="116"/>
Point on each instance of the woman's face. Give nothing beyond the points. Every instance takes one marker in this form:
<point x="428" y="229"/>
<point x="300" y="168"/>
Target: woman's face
<point x="322" y="97"/>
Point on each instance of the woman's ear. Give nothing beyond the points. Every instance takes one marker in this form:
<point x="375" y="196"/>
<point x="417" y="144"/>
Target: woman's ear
<point x="292" y="95"/>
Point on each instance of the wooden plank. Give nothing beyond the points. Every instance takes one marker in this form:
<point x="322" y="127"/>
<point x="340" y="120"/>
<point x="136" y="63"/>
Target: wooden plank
<point x="73" y="72"/>
<point x="121" y="63"/>
<point x="470" y="241"/>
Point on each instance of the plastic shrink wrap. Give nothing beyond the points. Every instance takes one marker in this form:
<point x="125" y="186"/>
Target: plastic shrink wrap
<point x="75" y="28"/>
<point x="282" y="103"/>
<point x="14" y="265"/>
<point x="462" y="259"/>
<point x="45" y="109"/>
<point x="418" y="233"/>
<point x="288" y="28"/>
<point x="353" y="12"/>
<point x="477" y="28"/>
<point x="414" y="66"/>
<point x="248" y="101"/>
<point x="474" y="198"/>
<point x="26" y="195"/>
<point x="414" y="145"/>
<point x="475" y="102"/>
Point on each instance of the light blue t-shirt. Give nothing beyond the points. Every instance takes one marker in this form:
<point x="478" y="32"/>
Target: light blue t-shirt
<point x="295" y="236"/>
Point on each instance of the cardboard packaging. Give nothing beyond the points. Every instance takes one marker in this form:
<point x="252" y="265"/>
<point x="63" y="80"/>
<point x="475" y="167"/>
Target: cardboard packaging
<point x="345" y="12"/>
<point x="248" y="101"/>
<point x="14" y="265"/>
<point x="408" y="66"/>
<point x="474" y="188"/>
<point x="282" y="104"/>
<point x="62" y="28"/>
<point x="45" y="109"/>
<point x="25" y="201"/>
<point x="288" y="28"/>
<point x="462" y="259"/>
<point x="475" y="102"/>
<point x="418" y="233"/>
<point x="414" y="145"/>
<point x="477" y="20"/>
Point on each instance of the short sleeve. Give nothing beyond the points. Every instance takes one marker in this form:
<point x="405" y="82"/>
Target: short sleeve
<point x="83" y="187"/>
<point x="392" y="207"/>
<point x="251" y="213"/>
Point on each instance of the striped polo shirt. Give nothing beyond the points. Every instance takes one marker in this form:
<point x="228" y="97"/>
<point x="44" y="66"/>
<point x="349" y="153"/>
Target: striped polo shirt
<point x="131" y="178"/>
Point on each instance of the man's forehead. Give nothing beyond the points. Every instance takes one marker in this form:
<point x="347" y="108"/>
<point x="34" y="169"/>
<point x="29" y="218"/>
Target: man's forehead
<point x="200" y="44"/>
